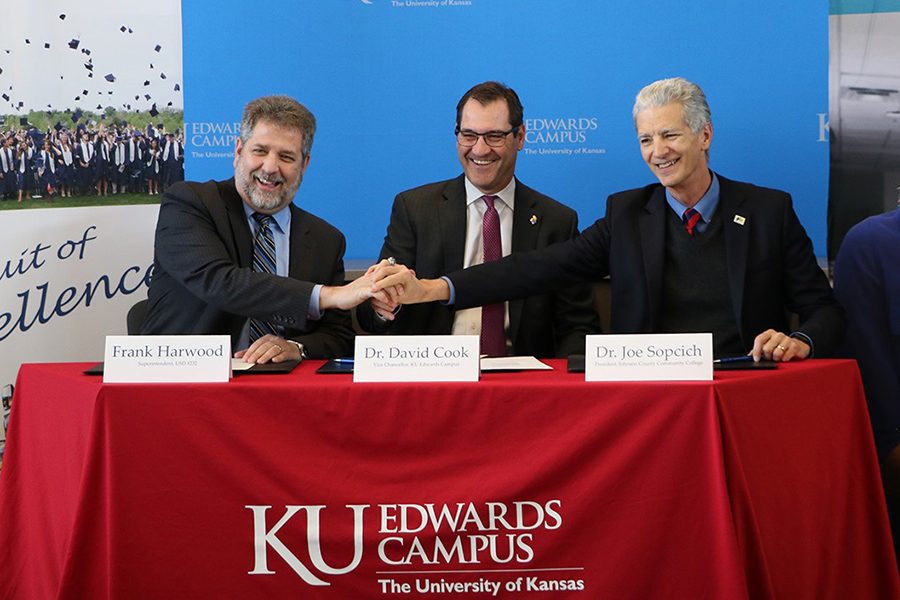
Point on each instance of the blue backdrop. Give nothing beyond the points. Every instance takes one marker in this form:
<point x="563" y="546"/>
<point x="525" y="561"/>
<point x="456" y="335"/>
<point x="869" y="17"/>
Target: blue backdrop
<point x="383" y="78"/>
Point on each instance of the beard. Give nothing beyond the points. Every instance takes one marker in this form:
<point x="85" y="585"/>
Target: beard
<point x="264" y="200"/>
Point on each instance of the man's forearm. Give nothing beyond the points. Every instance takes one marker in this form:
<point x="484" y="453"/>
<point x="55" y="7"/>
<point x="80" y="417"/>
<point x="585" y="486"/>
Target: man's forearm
<point x="434" y="290"/>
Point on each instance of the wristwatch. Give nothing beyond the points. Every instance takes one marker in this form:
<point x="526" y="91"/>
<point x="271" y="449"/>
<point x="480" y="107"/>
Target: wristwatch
<point x="300" y="347"/>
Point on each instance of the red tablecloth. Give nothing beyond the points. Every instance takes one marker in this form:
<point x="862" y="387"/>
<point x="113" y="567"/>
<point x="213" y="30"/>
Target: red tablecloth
<point x="755" y="485"/>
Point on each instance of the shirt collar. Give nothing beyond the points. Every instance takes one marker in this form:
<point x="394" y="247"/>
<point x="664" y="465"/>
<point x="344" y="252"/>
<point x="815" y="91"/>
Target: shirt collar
<point x="706" y="206"/>
<point x="282" y="217"/>
<point x="507" y="195"/>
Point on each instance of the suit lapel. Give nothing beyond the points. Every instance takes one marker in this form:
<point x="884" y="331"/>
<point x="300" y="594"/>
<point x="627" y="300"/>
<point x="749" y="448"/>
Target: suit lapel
<point x="452" y="218"/>
<point x="237" y="219"/>
<point x="652" y="226"/>
<point x="736" y="225"/>
<point x="524" y="238"/>
<point x="301" y="245"/>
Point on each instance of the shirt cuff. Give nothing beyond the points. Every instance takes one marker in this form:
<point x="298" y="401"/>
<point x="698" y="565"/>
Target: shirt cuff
<point x="805" y="338"/>
<point x="314" y="313"/>
<point x="452" y="300"/>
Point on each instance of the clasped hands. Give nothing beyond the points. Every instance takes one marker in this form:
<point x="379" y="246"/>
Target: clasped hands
<point x="386" y="285"/>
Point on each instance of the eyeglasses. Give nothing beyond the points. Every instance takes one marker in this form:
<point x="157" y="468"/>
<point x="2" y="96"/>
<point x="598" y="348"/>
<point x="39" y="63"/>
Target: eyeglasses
<point x="494" y="139"/>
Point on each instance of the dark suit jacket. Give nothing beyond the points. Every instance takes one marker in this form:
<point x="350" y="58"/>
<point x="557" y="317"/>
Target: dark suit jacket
<point x="427" y="233"/>
<point x="203" y="281"/>
<point x="771" y="266"/>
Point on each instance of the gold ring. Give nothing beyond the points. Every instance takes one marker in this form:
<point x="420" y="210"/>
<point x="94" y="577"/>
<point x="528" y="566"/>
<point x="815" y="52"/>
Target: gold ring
<point x="392" y="261"/>
<point x="780" y="347"/>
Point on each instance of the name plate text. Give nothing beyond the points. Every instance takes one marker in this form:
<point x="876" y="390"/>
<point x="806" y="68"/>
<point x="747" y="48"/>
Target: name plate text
<point x="416" y="358"/>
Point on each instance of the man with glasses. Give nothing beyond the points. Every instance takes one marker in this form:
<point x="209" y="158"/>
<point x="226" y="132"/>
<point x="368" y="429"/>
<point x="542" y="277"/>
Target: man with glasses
<point x="482" y="215"/>
<point x="693" y="252"/>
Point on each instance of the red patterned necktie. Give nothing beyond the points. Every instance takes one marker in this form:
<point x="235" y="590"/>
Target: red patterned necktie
<point x="493" y="335"/>
<point x="690" y="218"/>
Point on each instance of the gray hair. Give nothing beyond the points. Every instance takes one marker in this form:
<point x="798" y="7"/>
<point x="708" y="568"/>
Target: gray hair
<point x="676" y="90"/>
<point x="282" y="111"/>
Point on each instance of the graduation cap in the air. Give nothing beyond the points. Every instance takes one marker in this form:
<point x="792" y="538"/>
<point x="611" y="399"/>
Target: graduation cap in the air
<point x="6" y="97"/>
<point x="77" y="115"/>
<point x="46" y="44"/>
<point x="177" y="87"/>
<point x="146" y="96"/>
<point x="86" y="51"/>
<point x="146" y="82"/>
<point x="58" y="126"/>
<point x="1" y="71"/>
<point x="162" y="75"/>
<point x="21" y="104"/>
<point x="123" y="29"/>
<point x="99" y="107"/>
<point x="89" y="66"/>
<point x="169" y="103"/>
<point x="62" y="17"/>
<point x="90" y="76"/>
<point x="110" y="77"/>
<point x="23" y="121"/>
<point x="77" y="98"/>
<point x="27" y="41"/>
<point x="84" y="92"/>
<point x="73" y="44"/>
<point x="153" y="111"/>
<point x="137" y="97"/>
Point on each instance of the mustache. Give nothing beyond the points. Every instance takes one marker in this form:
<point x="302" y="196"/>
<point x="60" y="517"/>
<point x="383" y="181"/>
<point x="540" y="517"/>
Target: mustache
<point x="274" y="178"/>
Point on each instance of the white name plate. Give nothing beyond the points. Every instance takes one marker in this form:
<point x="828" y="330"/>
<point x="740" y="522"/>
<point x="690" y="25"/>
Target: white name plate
<point x="416" y="358"/>
<point x="167" y="358"/>
<point x="649" y="357"/>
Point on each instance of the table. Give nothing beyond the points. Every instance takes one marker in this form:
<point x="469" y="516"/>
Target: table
<point x="755" y="485"/>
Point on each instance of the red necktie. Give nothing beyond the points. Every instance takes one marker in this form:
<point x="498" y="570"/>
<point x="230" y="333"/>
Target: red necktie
<point x="493" y="335"/>
<point x="690" y="219"/>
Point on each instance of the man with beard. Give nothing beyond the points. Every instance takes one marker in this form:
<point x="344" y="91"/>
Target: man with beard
<point x="236" y="257"/>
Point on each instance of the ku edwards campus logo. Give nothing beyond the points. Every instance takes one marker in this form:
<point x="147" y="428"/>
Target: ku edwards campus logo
<point x="423" y="548"/>
<point x="824" y="127"/>
<point x="569" y="135"/>
<point x="212" y="139"/>
<point x="424" y="3"/>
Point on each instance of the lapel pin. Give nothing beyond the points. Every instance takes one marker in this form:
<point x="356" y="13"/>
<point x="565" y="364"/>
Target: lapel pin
<point x="533" y="220"/>
<point x="739" y="219"/>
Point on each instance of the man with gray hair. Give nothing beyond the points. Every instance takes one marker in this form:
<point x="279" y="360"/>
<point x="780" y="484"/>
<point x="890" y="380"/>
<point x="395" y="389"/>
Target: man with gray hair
<point x="695" y="252"/>
<point x="237" y="257"/>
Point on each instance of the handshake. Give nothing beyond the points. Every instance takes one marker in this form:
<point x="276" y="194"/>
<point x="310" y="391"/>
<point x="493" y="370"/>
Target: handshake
<point x="387" y="285"/>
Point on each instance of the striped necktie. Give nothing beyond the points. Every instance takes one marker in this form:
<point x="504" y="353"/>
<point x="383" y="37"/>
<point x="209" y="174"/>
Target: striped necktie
<point x="263" y="262"/>
<point x="690" y="219"/>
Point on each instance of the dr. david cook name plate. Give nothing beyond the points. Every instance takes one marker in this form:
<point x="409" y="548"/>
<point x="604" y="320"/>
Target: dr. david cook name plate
<point x="416" y="358"/>
<point x="650" y="357"/>
<point x="167" y="358"/>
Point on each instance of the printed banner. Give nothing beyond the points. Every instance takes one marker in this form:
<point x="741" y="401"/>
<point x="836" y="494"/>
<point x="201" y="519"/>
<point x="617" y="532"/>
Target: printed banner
<point x="383" y="78"/>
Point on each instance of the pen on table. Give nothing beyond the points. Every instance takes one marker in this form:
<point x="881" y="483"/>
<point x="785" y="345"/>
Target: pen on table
<point x="343" y="361"/>
<point x="731" y="359"/>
